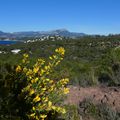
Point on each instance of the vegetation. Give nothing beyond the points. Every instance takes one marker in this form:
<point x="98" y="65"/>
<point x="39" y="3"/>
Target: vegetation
<point x="91" y="111"/>
<point x="89" y="61"/>
<point x="30" y="93"/>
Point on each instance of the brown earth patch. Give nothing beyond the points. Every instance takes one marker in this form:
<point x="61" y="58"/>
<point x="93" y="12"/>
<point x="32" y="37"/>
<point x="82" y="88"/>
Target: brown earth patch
<point x="109" y="95"/>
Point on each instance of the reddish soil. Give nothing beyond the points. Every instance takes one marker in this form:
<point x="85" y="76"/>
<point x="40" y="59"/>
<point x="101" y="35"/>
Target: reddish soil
<point x="109" y="95"/>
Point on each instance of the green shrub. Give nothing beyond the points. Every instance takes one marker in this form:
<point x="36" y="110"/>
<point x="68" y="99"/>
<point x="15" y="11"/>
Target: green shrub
<point x="102" y="111"/>
<point x="29" y="92"/>
<point x="72" y="113"/>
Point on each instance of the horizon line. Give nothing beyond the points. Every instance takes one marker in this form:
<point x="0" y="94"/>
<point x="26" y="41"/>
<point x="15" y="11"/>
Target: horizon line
<point x="106" y="34"/>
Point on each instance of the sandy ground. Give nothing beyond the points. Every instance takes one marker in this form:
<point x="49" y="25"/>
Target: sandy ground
<point x="109" y="95"/>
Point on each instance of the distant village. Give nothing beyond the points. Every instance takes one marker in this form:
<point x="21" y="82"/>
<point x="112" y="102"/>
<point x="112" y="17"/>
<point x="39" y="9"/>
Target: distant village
<point x="52" y="38"/>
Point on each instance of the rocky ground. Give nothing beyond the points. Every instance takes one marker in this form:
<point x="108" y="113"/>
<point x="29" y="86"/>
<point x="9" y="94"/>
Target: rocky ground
<point x="101" y="94"/>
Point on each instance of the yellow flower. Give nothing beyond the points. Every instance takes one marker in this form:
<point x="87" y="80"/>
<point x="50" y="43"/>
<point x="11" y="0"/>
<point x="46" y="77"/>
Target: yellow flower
<point x="34" y="80"/>
<point x="66" y="90"/>
<point x="57" y="62"/>
<point x="64" y="81"/>
<point x="43" y="116"/>
<point x="31" y="92"/>
<point x="46" y="99"/>
<point x="33" y="108"/>
<point x="41" y="72"/>
<point x="37" y="118"/>
<point x="36" y="99"/>
<point x="41" y="61"/>
<point x="47" y="67"/>
<point x="32" y="115"/>
<point x="30" y="72"/>
<point x="63" y="111"/>
<point x="18" y="69"/>
<point x="23" y="61"/>
<point x="60" y="50"/>
<point x="55" y="56"/>
<point x="50" y="58"/>
<point x="58" y="109"/>
<point x="28" y="87"/>
<point x="54" y="107"/>
<point x="25" y="55"/>
<point x="49" y="104"/>
<point x="36" y="69"/>
<point x="52" y="87"/>
<point x="47" y="79"/>
<point x="51" y="81"/>
<point x="43" y="89"/>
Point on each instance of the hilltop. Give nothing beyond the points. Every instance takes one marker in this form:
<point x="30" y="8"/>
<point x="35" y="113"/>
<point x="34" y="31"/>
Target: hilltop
<point x="59" y="32"/>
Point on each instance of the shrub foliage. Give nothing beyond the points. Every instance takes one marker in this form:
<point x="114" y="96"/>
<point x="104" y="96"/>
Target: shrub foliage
<point x="30" y="92"/>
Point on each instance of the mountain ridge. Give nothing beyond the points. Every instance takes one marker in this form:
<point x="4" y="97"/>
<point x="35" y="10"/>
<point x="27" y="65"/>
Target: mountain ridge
<point x="59" y="32"/>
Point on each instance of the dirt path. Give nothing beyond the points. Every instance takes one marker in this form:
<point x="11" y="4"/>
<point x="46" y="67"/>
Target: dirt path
<point x="109" y="95"/>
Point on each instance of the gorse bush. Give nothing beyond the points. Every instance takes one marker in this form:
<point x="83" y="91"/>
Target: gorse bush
<point x="29" y="92"/>
<point x="42" y="93"/>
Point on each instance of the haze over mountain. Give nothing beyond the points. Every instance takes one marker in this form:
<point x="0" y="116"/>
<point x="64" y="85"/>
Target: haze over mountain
<point x="60" y="32"/>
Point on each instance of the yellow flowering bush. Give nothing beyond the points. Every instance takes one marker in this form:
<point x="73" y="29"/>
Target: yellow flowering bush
<point x="41" y="91"/>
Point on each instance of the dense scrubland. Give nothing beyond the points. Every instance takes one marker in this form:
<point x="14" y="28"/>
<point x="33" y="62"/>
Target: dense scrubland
<point x="88" y="62"/>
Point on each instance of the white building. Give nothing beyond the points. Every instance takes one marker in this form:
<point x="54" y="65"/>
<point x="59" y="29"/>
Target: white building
<point x="15" y="51"/>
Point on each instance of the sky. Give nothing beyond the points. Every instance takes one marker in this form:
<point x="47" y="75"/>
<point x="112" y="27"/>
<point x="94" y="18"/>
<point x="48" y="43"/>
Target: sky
<point x="87" y="16"/>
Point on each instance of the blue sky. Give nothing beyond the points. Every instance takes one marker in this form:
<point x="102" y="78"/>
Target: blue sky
<point x="88" y="16"/>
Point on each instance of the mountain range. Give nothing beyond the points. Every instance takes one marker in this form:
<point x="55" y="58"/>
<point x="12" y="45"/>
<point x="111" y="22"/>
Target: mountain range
<point x="59" y="32"/>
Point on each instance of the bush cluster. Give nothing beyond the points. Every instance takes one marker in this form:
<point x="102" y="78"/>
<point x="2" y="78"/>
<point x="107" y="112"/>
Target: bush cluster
<point x="31" y="93"/>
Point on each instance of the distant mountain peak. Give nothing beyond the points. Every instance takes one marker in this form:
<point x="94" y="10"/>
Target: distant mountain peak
<point x="1" y="31"/>
<point x="61" y="32"/>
